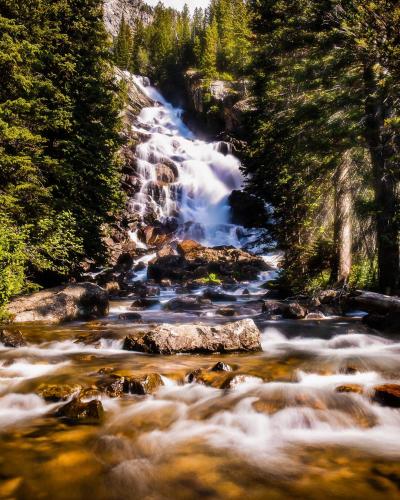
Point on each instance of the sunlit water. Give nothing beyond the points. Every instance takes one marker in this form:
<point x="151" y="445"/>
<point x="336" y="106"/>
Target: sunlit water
<point x="204" y="176"/>
<point x="285" y="433"/>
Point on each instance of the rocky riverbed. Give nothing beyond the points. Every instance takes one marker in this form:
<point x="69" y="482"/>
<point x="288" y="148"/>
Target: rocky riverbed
<point x="309" y="407"/>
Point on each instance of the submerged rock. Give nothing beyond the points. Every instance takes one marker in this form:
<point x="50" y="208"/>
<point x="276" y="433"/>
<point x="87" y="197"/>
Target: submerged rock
<point x="233" y="382"/>
<point x="355" y="388"/>
<point x="144" y="303"/>
<point x="130" y="316"/>
<point x="226" y="311"/>
<point x="12" y="338"/>
<point x="387" y="395"/>
<point x="221" y="367"/>
<point x="197" y="338"/>
<point x="216" y="296"/>
<point x="56" y="393"/>
<point x="78" y="412"/>
<point x="60" y="304"/>
<point x="146" y="384"/>
<point x="182" y="304"/>
<point x="112" y="385"/>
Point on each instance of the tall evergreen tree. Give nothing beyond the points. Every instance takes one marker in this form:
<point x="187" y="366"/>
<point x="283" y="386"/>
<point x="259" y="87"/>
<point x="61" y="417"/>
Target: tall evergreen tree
<point x="123" y="47"/>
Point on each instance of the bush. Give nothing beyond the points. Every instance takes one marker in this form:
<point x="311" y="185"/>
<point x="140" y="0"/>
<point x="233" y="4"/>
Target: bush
<point x="13" y="261"/>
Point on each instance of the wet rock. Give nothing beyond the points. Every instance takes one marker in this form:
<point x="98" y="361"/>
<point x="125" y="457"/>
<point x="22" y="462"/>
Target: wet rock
<point x="12" y="338"/>
<point x="196" y="338"/>
<point x="198" y="262"/>
<point x="182" y="304"/>
<point x="166" y="173"/>
<point x="112" y="287"/>
<point x="289" y="310"/>
<point x="112" y="385"/>
<point x="221" y="367"/>
<point x="146" y="384"/>
<point x="140" y="266"/>
<point x="316" y="316"/>
<point x="294" y="310"/>
<point x="387" y="395"/>
<point x="355" y="388"/>
<point x="231" y="383"/>
<point x="144" y="303"/>
<point x="226" y="311"/>
<point x="216" y="296"/>
<point x="61" y="304"/>
<point x="208" y="378"/>
<point x="130" y="316"/>
<point x="389" y="322"/>
<point x="78" y="412"/>
<point x="56" y="393"/>
<point x="246" y="291"/>
<point x="95" y="338"/>
<point x="328" y="296"/>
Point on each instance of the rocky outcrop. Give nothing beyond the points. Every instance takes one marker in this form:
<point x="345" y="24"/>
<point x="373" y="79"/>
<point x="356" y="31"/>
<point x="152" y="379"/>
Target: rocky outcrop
<point x="131" y="10"/>
<point x="197" y="338"/>
<point x="221" y="104"/>
<point x="60" y="304"/>
<point x="195" y="261"/>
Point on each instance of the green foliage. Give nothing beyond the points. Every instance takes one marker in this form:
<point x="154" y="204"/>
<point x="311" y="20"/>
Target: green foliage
<point x="217" y="41"/>
<point x="211" y="279"/>
<point x="59" y="137"/>
<point x="123" y="49"/>
<point x="13" y="261"/>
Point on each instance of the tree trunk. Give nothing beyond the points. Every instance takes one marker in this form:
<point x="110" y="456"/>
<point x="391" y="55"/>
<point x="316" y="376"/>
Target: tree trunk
<point x="343" y="222"/>
<point x="377" y="107"/>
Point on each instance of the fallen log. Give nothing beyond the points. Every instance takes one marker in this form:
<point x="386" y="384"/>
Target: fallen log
<point x="375" y="302"/>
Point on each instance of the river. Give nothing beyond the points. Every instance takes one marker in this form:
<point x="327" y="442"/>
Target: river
<point x="284" y="432"/>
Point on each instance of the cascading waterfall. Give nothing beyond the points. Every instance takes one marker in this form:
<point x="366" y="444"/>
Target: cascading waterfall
<point x="185" y="178"/>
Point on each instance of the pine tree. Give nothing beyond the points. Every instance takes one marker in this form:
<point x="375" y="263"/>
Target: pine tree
<point x="123" y="46"/>
<point x="310" y="101"/>
<point x="208" y="63"/>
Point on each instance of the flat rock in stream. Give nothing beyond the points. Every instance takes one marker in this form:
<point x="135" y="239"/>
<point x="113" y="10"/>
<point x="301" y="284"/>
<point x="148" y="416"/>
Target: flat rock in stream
<point x="60" y="304"/>
<point x="197" y="338"/>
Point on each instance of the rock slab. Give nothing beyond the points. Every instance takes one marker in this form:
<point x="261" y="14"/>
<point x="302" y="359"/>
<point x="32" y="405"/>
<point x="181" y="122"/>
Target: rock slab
<point x="197" y="339"/>
<point x="61" y="304"/>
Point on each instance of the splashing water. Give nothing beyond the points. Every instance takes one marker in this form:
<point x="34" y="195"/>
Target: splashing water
<point x="184" y="178"/>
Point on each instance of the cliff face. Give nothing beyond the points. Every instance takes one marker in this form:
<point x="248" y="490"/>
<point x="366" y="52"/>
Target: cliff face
<point x="220" y="105"/>
<point x="130" y="9"/>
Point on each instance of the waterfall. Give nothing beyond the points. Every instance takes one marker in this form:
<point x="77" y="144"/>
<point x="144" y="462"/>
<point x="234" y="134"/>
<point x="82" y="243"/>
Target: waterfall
<point x="183" y="178"/>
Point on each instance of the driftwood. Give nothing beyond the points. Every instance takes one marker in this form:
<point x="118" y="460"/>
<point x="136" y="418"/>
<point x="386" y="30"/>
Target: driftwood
<point x="376" y="302"/>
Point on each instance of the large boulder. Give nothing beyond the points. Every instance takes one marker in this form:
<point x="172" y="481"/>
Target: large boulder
<point x="194" y="261"/>
<point x="60" y="304"/>
<point x="197" y="338"/>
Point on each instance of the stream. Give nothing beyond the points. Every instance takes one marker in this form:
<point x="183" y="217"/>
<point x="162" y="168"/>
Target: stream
<point x="283" y="432"/>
